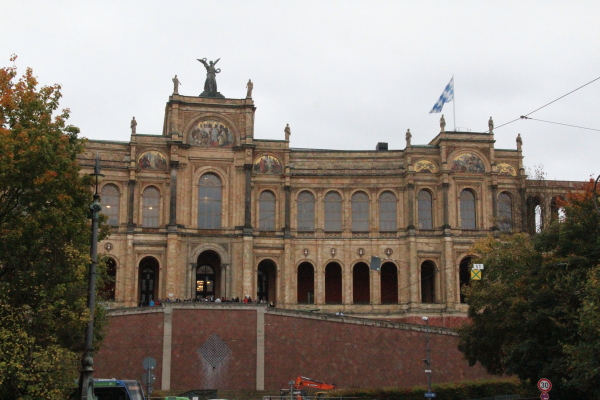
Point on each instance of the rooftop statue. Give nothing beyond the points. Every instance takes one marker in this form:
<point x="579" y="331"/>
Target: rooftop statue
<point x="133" y="126"/>
<point x="210" y="85"/>
<point x="249" y="86"/>
<point x="176" y="84"/>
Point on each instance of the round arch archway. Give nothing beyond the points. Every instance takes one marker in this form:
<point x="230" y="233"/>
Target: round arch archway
<point x="266" y="285"/>
<point x="306" y="283"/>
<point x="208" y="275"/>
<point x="148" y="280"/>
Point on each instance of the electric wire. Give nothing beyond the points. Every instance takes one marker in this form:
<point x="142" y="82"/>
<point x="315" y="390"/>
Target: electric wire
<point x="547" y="104"/>
<point x="559" y="123"/>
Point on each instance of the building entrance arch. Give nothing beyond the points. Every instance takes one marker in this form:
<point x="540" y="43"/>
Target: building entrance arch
<point x="266" y="285"/>
<point x="208" y="275"/>
<point x="148" y="280"/>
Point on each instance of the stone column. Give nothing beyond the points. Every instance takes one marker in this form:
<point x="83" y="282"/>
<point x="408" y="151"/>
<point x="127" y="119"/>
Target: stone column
<point x="173" y="201"/>
<point x="524" y="210"/>
<point x="494" y="207"/>
<point x="224" y="280"/>
<point x="445" y="187"/>
<point x="248" y="200"/>
<point x="288" y="212"/>
<point x="411" y="206"/>
<point x="130" y="204"/>
<point x="248" y="271"/>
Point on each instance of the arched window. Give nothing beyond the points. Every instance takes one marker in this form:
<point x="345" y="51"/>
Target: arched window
<point x="266" y="212"/>
<point x="428" y="282"/>
<point x="387" y="212"/>
<point x="389" y="283"/>
<point x="535" y="217"/>
<point x="333" y="283"/>
<point x="425" y="209"/>
<point x="210" y="196"/>
<point x="306" y="212"/>
<point x="464" y="276"/>
<point x="108" y="291"/>
<point x="505" y="212"/>
<point x="360" y="212"/>
<point x="151" y="207"/>
<point x="306" y="283"/>
<point x="361" y="284"/>
<point x="467" y="210"/>
<point x="110" y="203"/>
<point x="557" y="211"/>
<point x="148" y="280"/>
<point x="333" y="212"/>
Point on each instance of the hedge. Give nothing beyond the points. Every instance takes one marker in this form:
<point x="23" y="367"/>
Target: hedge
<point x="467" y="390"/>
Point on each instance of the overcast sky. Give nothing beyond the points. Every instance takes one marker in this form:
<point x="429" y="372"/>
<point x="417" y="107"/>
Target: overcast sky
<point x="343" y="74"/>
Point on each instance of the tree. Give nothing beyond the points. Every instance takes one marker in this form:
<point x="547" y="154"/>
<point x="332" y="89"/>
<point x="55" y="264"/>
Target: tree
<point x="44" y="242"/>
<point x="535" y="312"/>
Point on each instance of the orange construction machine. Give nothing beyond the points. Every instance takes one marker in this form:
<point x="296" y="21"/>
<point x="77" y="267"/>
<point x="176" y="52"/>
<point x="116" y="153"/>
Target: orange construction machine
<point x="302" y="382"/>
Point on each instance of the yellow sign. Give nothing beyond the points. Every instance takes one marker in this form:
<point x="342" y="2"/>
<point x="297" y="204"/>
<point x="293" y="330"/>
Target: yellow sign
<point x="475" y="275"/>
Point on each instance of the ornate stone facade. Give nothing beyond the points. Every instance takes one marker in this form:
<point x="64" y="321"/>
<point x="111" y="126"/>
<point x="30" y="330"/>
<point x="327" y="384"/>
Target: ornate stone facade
<point x="206" y="209"/>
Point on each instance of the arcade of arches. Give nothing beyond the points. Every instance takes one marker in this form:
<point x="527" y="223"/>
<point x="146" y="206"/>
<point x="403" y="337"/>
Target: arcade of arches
<point x="206" y="209"/>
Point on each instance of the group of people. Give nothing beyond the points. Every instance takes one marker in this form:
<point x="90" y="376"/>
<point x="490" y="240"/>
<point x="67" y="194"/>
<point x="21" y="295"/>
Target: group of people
<point x="208" y="299"/>
<point x="211" y="133"/>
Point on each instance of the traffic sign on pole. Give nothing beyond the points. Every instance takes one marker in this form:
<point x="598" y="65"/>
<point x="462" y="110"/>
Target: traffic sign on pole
<point x="544" y="396"/>
<point x="149" y="363"/>
<point x="544" y="385"/>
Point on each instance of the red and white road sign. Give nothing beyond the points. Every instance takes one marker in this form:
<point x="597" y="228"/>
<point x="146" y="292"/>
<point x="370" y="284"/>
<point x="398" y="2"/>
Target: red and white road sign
<point x="544" y="396"/>
<point x="544" y="385"/>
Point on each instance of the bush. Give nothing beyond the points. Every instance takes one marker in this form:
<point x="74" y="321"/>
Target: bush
<point x="455" y="391"/>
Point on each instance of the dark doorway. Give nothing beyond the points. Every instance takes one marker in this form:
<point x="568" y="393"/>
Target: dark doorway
<point x="267" y="281"/>
<point x="361" y="284"/>
<point x="464" y="276"/>
<point x="208" y="274"/>
<point x="389" y="284"/>
<point x="333" y="283"/>
<point x="428" y="282"/>
<point x="148" y="280"/>
<point x="306" y="283"/>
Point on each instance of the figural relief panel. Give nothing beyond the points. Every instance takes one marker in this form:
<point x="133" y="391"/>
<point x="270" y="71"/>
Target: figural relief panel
<point x="152" y="160"/>
<point x="426" y="166"/>
<point x="506" y="170"/>
<point x="267" y="164"/>
<point x="467" y="162"/>
<point x="211" y="133"/>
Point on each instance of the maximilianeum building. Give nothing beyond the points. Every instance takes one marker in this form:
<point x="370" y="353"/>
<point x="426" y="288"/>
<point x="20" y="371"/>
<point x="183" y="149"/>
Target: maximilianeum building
<point x="206" y="209"/>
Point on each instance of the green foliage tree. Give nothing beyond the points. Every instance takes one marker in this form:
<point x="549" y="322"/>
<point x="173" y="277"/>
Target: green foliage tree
<point x="44" y="242"/>
<point x="535" y="313"/>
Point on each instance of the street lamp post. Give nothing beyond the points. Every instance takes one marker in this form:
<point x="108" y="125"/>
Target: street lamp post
<point x="428" y="359"/>
<point x="86" y="382"/>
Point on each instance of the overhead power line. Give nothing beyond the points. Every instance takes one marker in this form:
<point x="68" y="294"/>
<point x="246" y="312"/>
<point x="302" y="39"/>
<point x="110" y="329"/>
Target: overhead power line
<point x="547" y="104"/>
<point x="558" y="123"/>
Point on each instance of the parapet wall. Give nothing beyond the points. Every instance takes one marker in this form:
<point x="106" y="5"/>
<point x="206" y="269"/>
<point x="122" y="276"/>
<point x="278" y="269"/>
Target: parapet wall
<point x="233" y="347"/>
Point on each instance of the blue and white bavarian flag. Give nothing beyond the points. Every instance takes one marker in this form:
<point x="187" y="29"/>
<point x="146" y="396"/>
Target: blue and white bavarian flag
<point x="446" y="97"/>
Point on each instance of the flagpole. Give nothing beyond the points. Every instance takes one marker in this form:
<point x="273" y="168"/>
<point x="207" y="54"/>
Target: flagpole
<point x="454" y="101"/>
